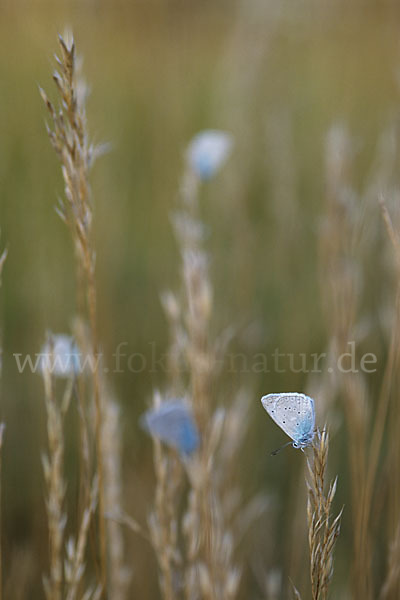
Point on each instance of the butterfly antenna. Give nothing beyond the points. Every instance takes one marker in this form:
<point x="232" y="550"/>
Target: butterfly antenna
<point x="275" y="452"/>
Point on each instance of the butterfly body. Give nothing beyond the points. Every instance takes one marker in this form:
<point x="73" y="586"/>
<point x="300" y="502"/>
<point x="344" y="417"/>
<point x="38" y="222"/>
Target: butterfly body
<point x="295" y="415"/>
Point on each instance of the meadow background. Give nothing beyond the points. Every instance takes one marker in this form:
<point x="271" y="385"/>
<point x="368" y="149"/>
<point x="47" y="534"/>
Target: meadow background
<point x="277" y="76"/>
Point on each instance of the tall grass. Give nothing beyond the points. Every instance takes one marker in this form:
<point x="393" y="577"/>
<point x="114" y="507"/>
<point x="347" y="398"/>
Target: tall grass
<point x="202" y="564"/>
<point x="2" y="427"/>
<point x="71" y="142"/>
<point x="53" y="467"/>
<point x="69" y="137"/>
<point x="211" y="534"/>
<point x="192" y="526"/>
<point x="322" y="530"/>
<point x="345" y="236"/>
<point x="3" y="257"/>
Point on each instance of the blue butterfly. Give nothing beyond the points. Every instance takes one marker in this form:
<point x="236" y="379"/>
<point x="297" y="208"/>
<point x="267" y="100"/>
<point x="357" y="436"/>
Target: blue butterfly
<point x="294" y="413"/>
<point x="173" y="423"/>
<point x="208" y="151"/>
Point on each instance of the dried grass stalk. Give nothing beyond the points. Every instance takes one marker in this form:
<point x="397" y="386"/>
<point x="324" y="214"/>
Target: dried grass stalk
<point x="388" y="403"/>
<point x="341" y="278"/>
<point x="3" y="257"/>
<point x="69" y="137"/>
<point x="215" y="517"/>
<point x="341" y="247"/>
<point x="2" y="428"/>
<point x="200" y="526"/>
<point x="212" y="570"/>
<point x="322" y="529"/>
<point x="75" y="552"/>
<point x="164" y="520"/>
<point x="53" y="467"/>
<point x="120" y="574"/>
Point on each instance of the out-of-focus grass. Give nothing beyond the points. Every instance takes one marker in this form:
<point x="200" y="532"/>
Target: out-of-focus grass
<point x="159" y="73"/>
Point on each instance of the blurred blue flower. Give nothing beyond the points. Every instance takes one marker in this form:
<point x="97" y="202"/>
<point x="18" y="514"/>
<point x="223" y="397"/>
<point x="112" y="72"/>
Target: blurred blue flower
<point x="60" y="355"/>
<point x="208" y="151"/>
<point x="173" y="423"/>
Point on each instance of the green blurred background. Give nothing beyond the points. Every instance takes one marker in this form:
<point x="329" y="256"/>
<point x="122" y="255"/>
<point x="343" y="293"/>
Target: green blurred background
<point x="275" y="74"/>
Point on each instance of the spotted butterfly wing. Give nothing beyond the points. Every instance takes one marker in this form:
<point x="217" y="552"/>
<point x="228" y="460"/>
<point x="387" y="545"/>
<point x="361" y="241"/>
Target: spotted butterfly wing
<point x="294" y="413"/>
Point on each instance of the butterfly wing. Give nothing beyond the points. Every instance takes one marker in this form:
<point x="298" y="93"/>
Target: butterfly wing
<point x="293" y="412"/>
<point x="173" y="424"/>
